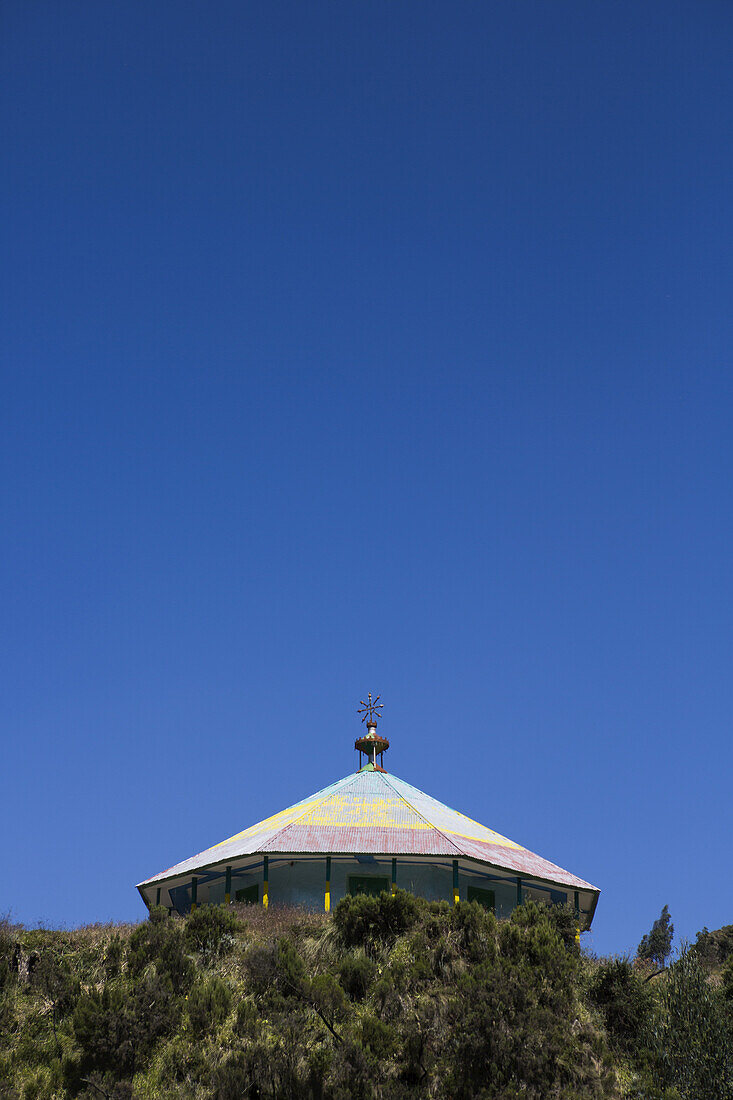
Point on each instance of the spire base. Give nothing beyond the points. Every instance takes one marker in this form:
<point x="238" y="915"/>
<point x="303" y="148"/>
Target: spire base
<point x="372" y="745"/>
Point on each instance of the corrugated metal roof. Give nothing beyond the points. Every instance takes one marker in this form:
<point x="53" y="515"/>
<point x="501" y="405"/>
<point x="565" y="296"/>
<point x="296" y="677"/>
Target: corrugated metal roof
<point x="372" y="812"/>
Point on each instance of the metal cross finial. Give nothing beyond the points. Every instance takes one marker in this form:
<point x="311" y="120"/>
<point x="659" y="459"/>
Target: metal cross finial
<point x="370" y="709"/>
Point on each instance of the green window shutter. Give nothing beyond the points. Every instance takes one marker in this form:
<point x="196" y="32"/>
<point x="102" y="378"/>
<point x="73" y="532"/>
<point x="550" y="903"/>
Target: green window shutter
<point x="250" y="895"/>
<point x="483" y="897"/>
<point x="368" y="884"/>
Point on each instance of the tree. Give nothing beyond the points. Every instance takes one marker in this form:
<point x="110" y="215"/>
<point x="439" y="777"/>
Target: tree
<point x="656" y="945"/>
<point x="692" y="1039"/>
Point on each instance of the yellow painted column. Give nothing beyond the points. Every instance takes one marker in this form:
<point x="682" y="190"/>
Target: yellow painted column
<point x="394" y="875"/>
<point x="327" y="899"/>
<point x="228" y="887"/>
<point x="265" y="883"/>
<point x="194" y="892"/>
<point x="456" y="893"/>
<point x="577" y="918"/>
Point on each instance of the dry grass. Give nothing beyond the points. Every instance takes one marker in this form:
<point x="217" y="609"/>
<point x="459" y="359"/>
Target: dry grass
<point x="83" y="934"/>
<point x="280" y="920"/>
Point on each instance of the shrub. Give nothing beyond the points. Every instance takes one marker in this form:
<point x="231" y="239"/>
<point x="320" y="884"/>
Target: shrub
<point x="365" y="921"/>
<point x="247" y="1021"/>
<point x="6" y="952"/>
<point x="104" y="1085"/>
<point x="54" y="977"/>
<point x="356" y="972"/>
<point x="558" y="917"/>
<point x="625" y="1001"/>
<point x="713" y="948"/>
<point x="211" y="931"/>
<point x="290" y="968"/>
<point x="326" y="996"/>
<point x="352" y="1074"/>
<point x="377" y="1037"/>
<point x="159" y="940"/>
<point x="565" y="922"/>
<point x="427" y="1001"/>
<point x="232" y="1079"/>
<point x="113" y="956"/>
<point x="512" y="1023"/>
<point x="692" y="1040"/>
<point x="181" y="1060"/>
<point x="476" y="928"/>
<point x="260" y="967"/>
<point x="117" y="1028"/>
<point x="208" y="1005"/>
<point x="104" y="1030"/>
<point x="727" y="982"/>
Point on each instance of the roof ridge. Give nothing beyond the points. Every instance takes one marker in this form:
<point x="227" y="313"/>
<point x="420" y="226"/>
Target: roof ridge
<point x="421" y="816"/>
<point x="327" y="792"/>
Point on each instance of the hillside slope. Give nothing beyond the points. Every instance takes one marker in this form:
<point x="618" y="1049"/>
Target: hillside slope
<point x="392" y="997"/>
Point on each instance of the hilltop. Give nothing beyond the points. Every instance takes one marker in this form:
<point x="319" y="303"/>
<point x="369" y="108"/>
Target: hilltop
<point x="390" y="997"/>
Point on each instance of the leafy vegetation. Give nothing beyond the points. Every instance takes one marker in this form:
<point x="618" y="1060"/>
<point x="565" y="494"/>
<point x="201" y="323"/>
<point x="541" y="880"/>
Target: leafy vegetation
<point x="391" y="997"/>
<point x="656" y="945"/>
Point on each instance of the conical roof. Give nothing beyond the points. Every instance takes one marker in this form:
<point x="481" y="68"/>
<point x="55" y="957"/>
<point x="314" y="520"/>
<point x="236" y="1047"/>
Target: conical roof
<point x="372" y="812"/>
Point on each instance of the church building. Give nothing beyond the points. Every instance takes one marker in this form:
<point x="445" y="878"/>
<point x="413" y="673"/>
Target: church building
<point x="367" y="833"/>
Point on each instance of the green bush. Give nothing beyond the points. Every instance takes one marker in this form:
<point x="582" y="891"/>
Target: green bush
<point x="54" y="977"/>
<point x="114" y="956"/>
<point x="260" y="967"/>
<point x="291" y="974"/>
<point x="352" y="1074"/>
<point x="370" y="922"/>
<point x="232" y="1079"/>
<point x="476" y="929"/>
<point x="713" y="948"/>
<point x="356" y="972"/>
<point x="691" y="1039"/>
<point x="180" y="1064"/>
<point x="395" y="998"/>
<point x="104" y="1029"/>
<point x="159" y="940"/>
<point x="727" y="982"/>
<point x="625" y="1000"/>
<point x="326" y="996"/>
<point x="377" y="1038"/>
<point x="247" y="1021"/>
<point x="211" y="931"/>
<point x="208" y="1005"/>
<point x="116" y="1029"/>
<point x="512" y="1020"/>
<point x="6" y="952"/>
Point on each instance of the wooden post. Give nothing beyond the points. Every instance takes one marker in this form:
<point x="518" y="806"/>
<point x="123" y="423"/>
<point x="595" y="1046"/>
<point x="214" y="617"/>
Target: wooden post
<point x="157" y="896"/>
<point x="194" y="892"/>
<point x="327" y="900"/>
<point x="456" y="893"/>
<point x="577" y="917"/>
<point x="228" y="887"/>
<point x="394" y="874"/>
<point x="265" y="884"/>
<point x="519" y="890"/>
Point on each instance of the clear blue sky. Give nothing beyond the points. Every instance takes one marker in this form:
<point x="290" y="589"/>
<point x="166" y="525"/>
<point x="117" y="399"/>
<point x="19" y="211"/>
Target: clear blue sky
<point x="354" y="347"/>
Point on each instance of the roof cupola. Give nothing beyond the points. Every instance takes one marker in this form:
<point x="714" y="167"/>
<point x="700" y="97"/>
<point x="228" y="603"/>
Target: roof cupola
<point x="371" y="743"/>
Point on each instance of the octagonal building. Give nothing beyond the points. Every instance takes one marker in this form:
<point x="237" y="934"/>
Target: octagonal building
<point x="368" y="832"/>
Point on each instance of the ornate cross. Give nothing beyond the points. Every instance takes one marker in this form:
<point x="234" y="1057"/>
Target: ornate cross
<point x="370" y="709"/>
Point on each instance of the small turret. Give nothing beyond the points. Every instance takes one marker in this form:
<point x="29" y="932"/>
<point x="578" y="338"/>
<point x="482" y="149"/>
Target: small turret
<point x="371" y="743"/>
